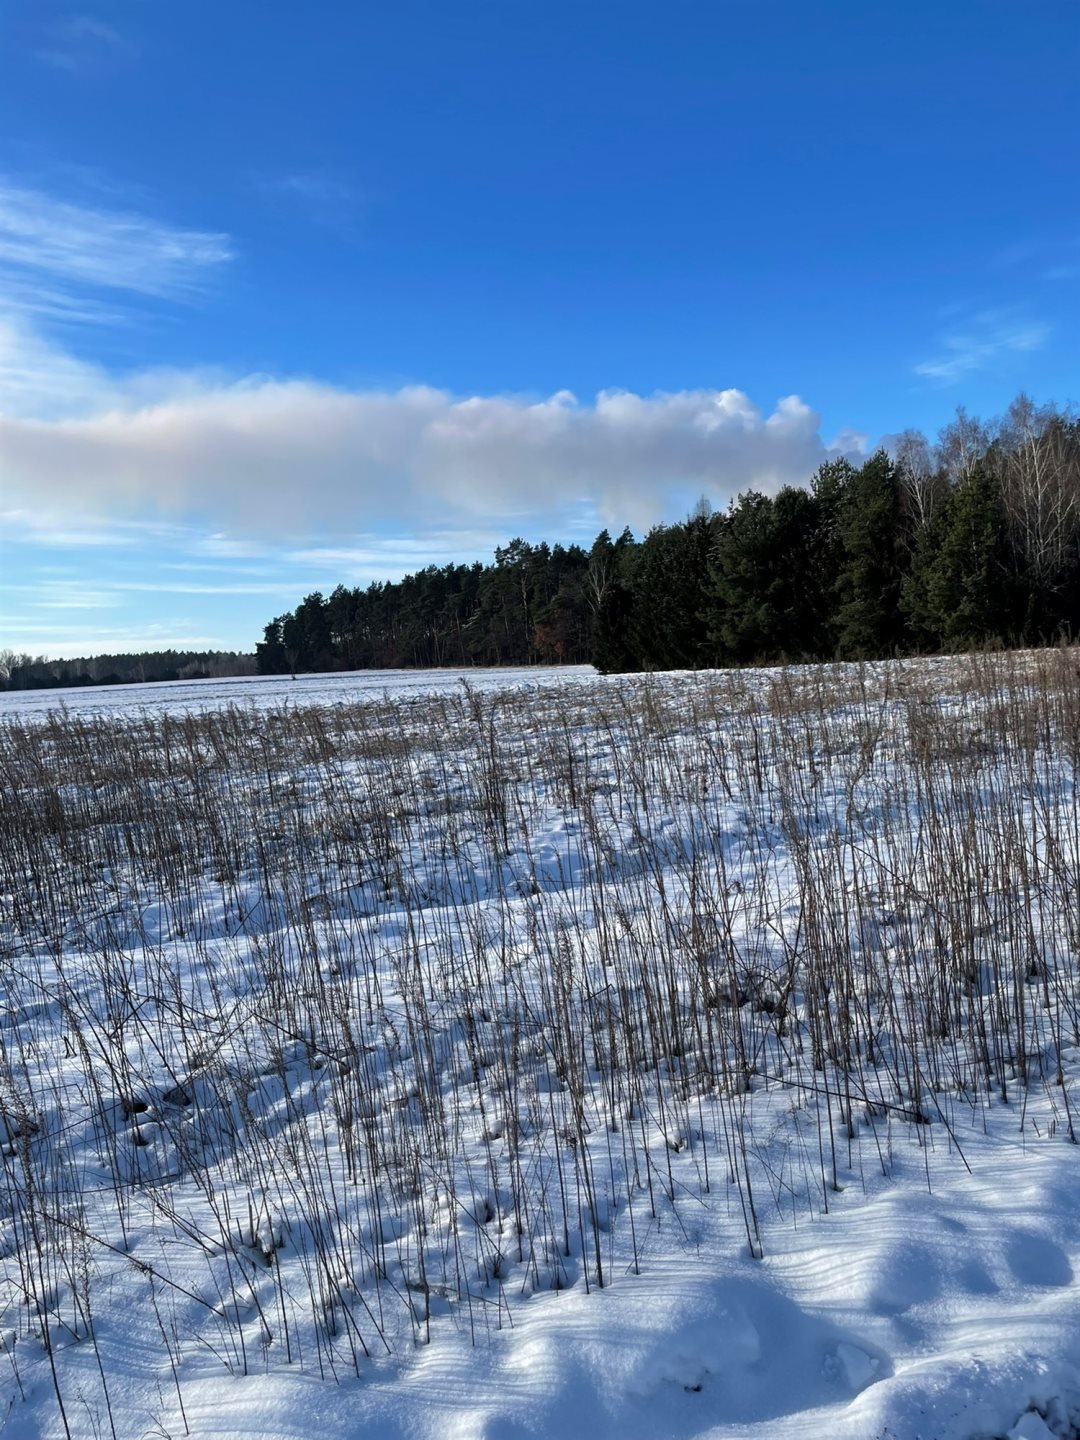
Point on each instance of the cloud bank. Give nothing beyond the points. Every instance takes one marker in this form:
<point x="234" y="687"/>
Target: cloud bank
<point x="138" y="508"/>
<point x="293" y="457"/>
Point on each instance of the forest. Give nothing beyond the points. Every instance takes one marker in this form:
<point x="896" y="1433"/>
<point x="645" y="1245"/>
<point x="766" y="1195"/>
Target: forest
<point x="968" y="542"/>
<point x="36" y="672"/>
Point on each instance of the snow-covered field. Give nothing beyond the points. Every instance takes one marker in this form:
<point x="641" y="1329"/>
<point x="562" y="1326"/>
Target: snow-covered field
<point x="181" y="697"/>
<point x="542" y="1055"/>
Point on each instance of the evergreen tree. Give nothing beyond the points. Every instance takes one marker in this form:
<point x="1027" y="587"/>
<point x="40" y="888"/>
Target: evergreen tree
<point x="764" y="583"/>
<point x="957" y="593"/>
<point x="609" y="592"/>
<point x="867" y="587"/>
<point x="270" y="652"/>
<point x="670" y="596"/>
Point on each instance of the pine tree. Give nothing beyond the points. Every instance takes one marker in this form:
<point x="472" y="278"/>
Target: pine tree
<point x="867" y="587"/>
<point x="670" y="594"/>
<point x="957" y="593"/>
<point x="765" y="604"/>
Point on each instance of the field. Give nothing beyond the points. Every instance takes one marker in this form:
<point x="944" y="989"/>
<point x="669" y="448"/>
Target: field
<point x="537" y="1054"/>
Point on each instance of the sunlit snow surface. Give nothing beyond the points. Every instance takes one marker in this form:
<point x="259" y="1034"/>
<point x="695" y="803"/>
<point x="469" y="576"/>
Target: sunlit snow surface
<point x="226" y="1257"/>
<point x="265" y="692"/>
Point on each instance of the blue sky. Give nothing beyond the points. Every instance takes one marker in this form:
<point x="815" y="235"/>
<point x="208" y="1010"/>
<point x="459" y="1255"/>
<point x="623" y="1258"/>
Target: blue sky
<point x="296" y="294"/>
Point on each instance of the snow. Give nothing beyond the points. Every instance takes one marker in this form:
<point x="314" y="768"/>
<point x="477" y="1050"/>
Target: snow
<point x="181" y="697"/>
<point x="335" y="1076"/>
<point x="1031" y="1426"/>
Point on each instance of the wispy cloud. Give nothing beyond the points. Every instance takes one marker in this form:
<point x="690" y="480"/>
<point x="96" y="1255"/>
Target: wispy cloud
<point x="25" y="292"/>
<point x="52" y="594"/>
<point x="82" y="42"/>
<point x="68" y="595"/>
<point x="55" y="531"/>
<point x="1052" y="257"/>
<point x="380" y="557"/>
<point x="223" y="587"/>
<point x="84" y="248"/>
<point x="218" y="547"/>
<point x="65" y="265"/>
<point x="68" y="641"/>
<point x="986" y="341"/>
<point x="39" y="378"/>
<point x="313" y="187"/>
<point x="318" y="195"/>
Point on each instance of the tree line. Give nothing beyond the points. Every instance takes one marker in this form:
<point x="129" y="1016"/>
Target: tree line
<point x="970" y="541"/>
<point x="29" y="672"/>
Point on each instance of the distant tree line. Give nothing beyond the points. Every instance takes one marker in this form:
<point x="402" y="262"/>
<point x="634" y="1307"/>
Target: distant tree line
<point x="972" y="541"/>
<point x="28" y="672"/>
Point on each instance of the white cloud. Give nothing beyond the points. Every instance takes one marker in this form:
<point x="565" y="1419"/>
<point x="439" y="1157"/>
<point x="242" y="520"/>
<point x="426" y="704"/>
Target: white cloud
<point x="80" y="42"/>
<point x="67" y="595"/>
<point x="40" y="379"/>
<point x="54" y="530"/>
<point x="67" y="642"/>
<point x="224" y="587"/>
<point x="290" y="458"/>
<point x="389" y="556"/>
<point x="58" y="594"/>
<point x="1053" y="255"/>
<point x="316" y="195"/>
<point x="221" y="547"/>
<point x="850" y="442"/>
<point x="54" y="255"/>
<point x="287" y="460"/>
<point x="310" y="187"/>
<point x="986" y="340"/>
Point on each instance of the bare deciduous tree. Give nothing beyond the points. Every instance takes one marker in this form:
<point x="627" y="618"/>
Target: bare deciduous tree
<point x="923" y="484"/>
<point x="1040" y="482"/>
